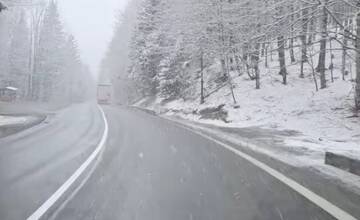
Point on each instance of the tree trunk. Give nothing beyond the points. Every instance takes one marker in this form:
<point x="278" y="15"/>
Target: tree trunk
<point x="357" y="45"/>
<point x="263" y="49"/>
<point x="322" y="56"/>
<point x="256" y="66"/>
<point x="223" y="67"/>
<point x="29" y="86"/>
<point x="229" y="81"/>
<point x="312" y="28"/>
<point x="266" y="56"/>
<point x="281" y="43"/>
<point x="202" y="98"/>
<point x="343" y="58"/>
<point x="291" y="43"/>
<point x="311" y="31"/>
<point x="303" y="41"/>
<point x="331" y="60"/>
<point x="292" y="55"/>
<point x="237" y="63"/>
<point x="281" y="51"/>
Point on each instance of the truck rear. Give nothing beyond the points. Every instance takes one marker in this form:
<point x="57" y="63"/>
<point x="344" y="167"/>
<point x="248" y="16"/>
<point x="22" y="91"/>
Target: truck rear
<point x="104" y="94"/>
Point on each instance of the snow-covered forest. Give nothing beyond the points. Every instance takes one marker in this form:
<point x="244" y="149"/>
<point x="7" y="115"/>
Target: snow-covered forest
<point x="278" y="64"/>
<point x="38" y="57"/>
<point x="174" y="44"/>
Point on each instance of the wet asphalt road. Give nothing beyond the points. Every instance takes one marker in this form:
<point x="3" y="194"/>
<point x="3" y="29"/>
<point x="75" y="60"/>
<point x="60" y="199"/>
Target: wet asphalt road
<point x="154" y="170"/>
<point x="34" y="163"/>
<point x="150" y="169"/>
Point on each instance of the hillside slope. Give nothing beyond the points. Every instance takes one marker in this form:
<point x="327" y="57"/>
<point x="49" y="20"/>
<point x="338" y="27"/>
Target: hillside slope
<point x="324" y="119"/>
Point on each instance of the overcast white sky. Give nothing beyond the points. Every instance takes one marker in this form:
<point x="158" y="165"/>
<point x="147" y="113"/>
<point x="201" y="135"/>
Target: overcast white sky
<point x="91" y="22"/>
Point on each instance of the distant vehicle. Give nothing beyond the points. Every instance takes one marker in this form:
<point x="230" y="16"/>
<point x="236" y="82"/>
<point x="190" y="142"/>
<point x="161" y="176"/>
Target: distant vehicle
<point x="104" y="94"/>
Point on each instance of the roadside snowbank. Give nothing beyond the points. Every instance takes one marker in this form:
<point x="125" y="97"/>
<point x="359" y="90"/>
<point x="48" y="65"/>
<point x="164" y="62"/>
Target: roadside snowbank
<point x="324" y="119"/>
<point x="11" y="120"/>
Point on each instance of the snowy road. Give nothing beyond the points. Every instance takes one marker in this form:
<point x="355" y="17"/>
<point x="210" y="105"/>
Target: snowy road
<point x="34" y="163"/>
<point x="150" y="169"/>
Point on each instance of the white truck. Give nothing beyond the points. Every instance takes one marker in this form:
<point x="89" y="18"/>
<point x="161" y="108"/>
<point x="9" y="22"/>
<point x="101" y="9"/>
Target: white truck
<point x="104" y="93"/>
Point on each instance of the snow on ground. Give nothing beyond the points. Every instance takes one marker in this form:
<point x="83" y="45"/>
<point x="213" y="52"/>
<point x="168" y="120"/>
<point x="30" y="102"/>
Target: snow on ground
<point x="323" y="120"/>
<point x="22" y="112"/>
<point x="29" y="108"/>
<point x="10" y="120"/>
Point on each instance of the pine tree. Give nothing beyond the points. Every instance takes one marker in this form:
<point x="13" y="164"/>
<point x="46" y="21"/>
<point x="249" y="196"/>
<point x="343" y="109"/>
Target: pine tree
<point x="145" y="55"/>
<point x="72" y="67"/>
<point x="7" y="20"/>
<point x="173" y="81"/>
<point x="115" y="64"/>
<point x="19" y="56"/>
<point x="50" y="56"/>
<point x="36" y="16"/>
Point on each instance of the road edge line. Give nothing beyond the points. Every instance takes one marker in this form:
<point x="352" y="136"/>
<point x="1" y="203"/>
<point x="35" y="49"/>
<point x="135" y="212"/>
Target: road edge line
<point x="316" y="199"/>
<point x="41" y="211"/>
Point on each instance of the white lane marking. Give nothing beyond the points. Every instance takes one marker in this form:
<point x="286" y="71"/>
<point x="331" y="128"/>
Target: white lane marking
<point x="78" y="188"/>
<point x="39" y="213"/>
<point x="321" y="202"/>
